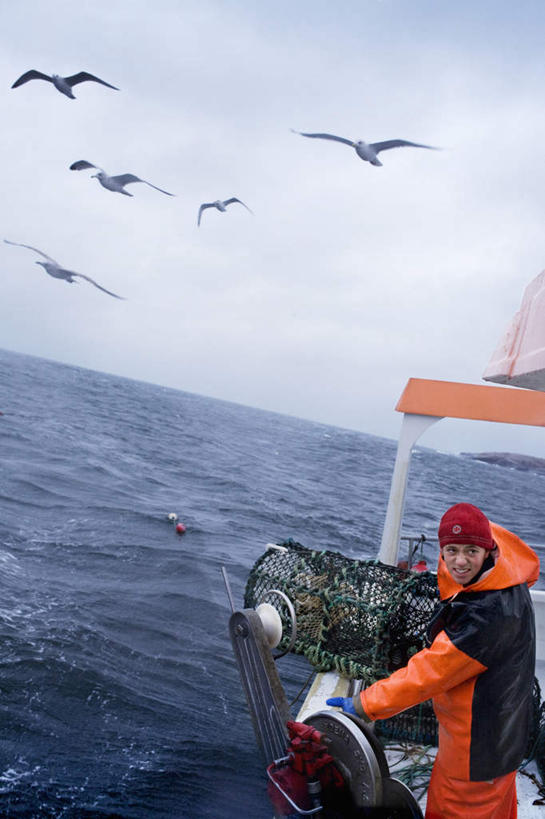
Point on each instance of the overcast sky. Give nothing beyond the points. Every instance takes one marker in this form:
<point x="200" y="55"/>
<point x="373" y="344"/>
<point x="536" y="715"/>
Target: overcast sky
<point x="347" y="279"/>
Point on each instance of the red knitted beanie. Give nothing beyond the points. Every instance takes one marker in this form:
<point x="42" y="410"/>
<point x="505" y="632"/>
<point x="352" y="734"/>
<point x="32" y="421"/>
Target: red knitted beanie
<point x="465" y="523"/>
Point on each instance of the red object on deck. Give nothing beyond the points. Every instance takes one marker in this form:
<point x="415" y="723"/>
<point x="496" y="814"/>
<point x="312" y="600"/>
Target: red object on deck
<point x="421" y="566"/>
<point x="308" y="760"/>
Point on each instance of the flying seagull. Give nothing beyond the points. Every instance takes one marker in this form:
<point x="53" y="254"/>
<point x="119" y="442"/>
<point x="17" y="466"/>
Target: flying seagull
<point x="113" y="183"/>
<point x="369" y="150"/>
<point x="221" y="206"/>
<point x="54" y="269"/>
<point x="62" y="84"/>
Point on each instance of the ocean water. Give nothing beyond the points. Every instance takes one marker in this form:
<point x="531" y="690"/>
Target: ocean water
<point x="119" y="695"/>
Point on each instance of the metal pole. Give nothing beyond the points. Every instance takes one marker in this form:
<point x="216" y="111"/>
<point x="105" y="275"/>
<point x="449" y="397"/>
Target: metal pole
<point x="412" y="428"/>
<point x="228" y="588"/>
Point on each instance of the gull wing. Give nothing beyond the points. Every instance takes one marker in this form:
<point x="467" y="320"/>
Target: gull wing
<point x="203" y="207"/>
<point x="83" y="76"/>
<point x="399" y="143"/>
<point x="234" y="199"/>
<point x="35" y="249"/>
<point x="156" y="188"/>
<point x="91" y="281"/>
<point x="127" y="178"/>
<point x="326" y="136"/>
<point x="81" y="164"/>
<point x="31" y="75"/>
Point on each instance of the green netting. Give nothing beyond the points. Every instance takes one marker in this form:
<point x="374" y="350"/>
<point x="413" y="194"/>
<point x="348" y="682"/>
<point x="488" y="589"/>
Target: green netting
<point x="361" y="618"/>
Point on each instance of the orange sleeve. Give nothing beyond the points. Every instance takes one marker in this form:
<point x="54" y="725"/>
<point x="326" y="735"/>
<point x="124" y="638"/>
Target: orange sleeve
<point x="430" y="672"/>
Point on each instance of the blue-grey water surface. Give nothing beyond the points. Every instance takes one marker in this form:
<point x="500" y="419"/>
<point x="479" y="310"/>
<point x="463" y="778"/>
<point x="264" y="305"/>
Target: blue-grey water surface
<point x="119" y="695"/>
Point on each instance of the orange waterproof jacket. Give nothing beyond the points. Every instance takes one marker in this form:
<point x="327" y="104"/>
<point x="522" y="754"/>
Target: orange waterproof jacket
<point x="479" y="668"/>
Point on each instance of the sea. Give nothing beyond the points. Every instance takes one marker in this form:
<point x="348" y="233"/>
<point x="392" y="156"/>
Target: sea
<point x="119" y="693"/>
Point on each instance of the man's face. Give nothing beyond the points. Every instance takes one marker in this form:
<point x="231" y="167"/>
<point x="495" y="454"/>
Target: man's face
<point x="463" y="560"/>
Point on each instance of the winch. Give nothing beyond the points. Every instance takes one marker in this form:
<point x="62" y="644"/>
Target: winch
<point x="331" y="765"/>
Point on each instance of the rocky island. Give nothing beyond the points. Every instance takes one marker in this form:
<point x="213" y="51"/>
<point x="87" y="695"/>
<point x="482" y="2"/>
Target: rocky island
<point x="526" y="463"/>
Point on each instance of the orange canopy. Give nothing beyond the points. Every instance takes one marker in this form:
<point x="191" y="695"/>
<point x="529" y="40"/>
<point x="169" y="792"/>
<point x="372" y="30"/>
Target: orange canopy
<point x="449" y="399"/>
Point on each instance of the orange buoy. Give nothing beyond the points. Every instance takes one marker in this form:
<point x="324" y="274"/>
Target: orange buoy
<point x="421" y="566"/>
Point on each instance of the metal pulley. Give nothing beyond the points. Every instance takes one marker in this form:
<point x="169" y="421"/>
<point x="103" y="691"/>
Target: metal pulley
<point x="360" y="758"/>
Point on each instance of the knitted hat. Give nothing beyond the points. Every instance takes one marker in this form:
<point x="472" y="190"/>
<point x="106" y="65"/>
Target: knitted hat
<point x="465" y="523"/>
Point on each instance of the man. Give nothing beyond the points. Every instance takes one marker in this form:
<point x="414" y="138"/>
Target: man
<point x="479" y="669"/>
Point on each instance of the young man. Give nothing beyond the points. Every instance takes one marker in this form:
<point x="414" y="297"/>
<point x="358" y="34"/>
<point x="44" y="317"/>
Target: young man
<point x="479" y="669"/>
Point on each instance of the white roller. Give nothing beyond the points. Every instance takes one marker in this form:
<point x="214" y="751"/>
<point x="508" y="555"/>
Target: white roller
<point x="272" y="624"/>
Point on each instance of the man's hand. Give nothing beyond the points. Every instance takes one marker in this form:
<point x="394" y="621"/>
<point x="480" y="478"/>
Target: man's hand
<point x="342" y="702"/>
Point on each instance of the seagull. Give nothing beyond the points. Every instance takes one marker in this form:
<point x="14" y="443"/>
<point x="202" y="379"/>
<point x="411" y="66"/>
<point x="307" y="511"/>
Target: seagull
<point x="113" y="183"/>
<point x="369" y="150"/>
<point x="54" y="269"/>
<point x="62" y="84"/>
<point x="221" y="206"/>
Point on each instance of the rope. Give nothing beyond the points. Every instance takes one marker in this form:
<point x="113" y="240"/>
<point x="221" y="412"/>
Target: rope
<point x="305" y="684"/>
<point x="416" y="774"/>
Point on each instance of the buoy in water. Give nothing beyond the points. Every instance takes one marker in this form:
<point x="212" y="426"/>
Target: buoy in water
<point x="180" y="528"/>
<point x="173" y="517"/>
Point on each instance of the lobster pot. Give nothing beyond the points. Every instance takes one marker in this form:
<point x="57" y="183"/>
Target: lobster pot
<point x="361" y="618"/>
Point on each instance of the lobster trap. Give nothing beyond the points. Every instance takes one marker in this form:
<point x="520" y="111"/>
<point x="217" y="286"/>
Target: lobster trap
<point x="361" y="618"/>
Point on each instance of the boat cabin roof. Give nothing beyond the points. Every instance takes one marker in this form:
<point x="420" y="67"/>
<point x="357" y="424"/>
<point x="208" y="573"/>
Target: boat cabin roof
<point x="450" y="399"/>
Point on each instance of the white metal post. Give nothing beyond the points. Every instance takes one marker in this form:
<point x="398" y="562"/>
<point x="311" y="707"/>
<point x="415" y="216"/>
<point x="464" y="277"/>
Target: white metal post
<point x="412" y="428"/>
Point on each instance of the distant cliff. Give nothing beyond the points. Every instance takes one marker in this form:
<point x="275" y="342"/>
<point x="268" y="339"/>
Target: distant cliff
<point x="526" y="463"/>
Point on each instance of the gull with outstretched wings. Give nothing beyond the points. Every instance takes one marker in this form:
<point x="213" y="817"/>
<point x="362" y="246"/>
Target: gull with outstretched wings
<point x="369" y="150"/>
<point x="220" y="205"/>
<point x="113" y="183"/>
<point x="54" y="269"/>
<point x="62" y="84"/>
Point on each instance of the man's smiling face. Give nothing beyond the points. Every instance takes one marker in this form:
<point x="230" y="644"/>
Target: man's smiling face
<point x="463" y="560"/>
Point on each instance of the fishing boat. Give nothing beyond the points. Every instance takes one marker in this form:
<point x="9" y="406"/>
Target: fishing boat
<point x="325" y="762"/>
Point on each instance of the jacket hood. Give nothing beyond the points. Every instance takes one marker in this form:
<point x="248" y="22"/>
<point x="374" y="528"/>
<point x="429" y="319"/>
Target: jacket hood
<point x="515" y="563"/>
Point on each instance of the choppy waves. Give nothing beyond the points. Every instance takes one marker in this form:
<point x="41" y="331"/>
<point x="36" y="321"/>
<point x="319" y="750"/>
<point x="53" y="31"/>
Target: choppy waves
<point x="119" y="692"/>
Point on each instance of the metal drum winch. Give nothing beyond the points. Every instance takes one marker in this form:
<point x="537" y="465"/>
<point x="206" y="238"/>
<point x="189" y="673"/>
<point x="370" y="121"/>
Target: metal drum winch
<point x="355" y="778"/>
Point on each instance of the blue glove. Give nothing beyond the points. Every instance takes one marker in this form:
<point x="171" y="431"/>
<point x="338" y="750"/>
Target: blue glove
<point x="343" y="702"/>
